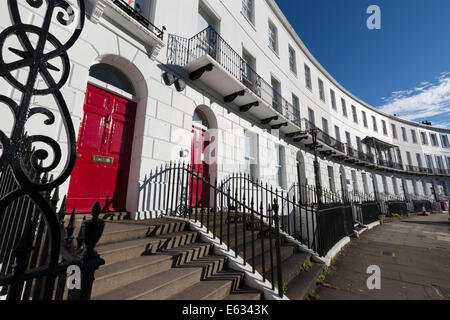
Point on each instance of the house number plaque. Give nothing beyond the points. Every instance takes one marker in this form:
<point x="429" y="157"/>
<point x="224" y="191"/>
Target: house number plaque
<point x="103" y="159"/>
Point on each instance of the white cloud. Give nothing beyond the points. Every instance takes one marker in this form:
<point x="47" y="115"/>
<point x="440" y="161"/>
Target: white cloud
<point x="423" y="102"/>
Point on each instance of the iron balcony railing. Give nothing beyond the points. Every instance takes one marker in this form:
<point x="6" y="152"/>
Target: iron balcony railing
<point x="439" y="171"/>
<point x="323" y="136"/>
<point x="132" y="12"/>
<point x="182" y="51"/>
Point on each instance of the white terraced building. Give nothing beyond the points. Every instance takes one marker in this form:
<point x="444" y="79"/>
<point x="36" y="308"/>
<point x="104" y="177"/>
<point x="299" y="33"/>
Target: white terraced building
<point x="230" y="83"/>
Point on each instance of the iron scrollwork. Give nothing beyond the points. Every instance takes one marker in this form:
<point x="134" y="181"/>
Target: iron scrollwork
<point x="41" y="63"/>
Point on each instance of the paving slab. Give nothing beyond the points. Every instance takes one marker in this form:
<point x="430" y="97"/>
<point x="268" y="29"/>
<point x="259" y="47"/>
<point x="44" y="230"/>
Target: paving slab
<point x="413" y="255"/>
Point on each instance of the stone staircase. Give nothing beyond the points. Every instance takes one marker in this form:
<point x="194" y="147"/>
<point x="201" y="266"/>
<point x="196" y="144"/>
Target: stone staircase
<point x="162" y="259"/>
<point x="299" y="272"/>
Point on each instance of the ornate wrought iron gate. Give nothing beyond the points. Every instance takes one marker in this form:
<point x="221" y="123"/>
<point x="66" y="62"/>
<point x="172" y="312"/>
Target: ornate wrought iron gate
<point x="33" y="255"/>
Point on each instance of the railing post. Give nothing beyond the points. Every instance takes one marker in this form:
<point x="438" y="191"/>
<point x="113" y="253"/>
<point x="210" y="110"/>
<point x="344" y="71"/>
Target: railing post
<point x="90" y="259"/>
<point x="275" y="209"/>
<point x="21" y="253"/>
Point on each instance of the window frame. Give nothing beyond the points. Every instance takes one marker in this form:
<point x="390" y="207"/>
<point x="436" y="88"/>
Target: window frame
<point x="364" y="119"/>
<point x="344" y="107"/>
<point x="321" y="86"/>
<point x="414" y="136"/>
<point x="274" y="33"/>
<point x="308" y="77"/>
<point x="333" y="99"/>
<point x="292" y="56"/>
<point x="384" y="127"/>
<point x="244" y="11"/>
<point x="355" y="114"/>
<point x="394" y="131"/>
<point x="404" y="134"/>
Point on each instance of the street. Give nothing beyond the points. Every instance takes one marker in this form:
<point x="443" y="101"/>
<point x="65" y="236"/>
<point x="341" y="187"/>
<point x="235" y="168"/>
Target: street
<point x="413" y="256"/>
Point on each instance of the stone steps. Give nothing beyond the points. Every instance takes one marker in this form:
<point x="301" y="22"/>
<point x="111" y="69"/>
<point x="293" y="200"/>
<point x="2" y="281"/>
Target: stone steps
<point x="304" y="283"/>
<point x="162" y="259"/>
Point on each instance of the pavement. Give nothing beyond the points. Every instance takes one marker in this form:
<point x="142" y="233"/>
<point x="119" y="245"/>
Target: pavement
<point x="413" y="255"/>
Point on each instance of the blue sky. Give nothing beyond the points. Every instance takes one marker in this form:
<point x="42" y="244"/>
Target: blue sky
<point x="403" y="69"/>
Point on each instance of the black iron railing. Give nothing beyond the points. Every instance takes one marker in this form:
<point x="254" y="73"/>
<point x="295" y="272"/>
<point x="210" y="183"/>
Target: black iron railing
<point x="245" y="213"/>
<point x="238" y="217"/>
<point x="323" y="136"/>
<point x="36" y="248"/>
<point x="182" y="51"/>
<point x="132" y="12"/>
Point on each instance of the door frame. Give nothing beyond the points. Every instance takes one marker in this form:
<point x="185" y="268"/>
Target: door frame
<point x="110" y="89"/>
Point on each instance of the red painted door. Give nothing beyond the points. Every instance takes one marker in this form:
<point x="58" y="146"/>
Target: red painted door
<point x="199" y="193"/>
<point x="103" y="152"/>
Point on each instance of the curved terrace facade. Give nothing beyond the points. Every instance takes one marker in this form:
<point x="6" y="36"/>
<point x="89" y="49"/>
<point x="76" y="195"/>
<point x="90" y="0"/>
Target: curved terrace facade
<point x="230" y="87"/>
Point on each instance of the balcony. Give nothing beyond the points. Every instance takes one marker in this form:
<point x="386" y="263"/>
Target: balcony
<point x="209" y="61"/>
<point x="328" y="143"/>
<point x="119" y="13"/>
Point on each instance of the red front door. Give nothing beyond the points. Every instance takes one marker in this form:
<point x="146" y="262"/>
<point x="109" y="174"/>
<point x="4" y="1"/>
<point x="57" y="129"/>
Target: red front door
<point x="199" y="193"/>
<point x="103" y="152"/>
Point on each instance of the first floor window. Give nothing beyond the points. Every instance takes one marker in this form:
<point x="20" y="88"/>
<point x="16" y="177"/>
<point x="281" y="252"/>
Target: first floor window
<point x="331" y="179"/>
<point x="385" y="185"/>
<point x="394" y="183"/>
<point x="416" y="191"/>
<point x="355" y="182"/>
<point x="279" y="165"/>
<point x="296" y="106"/>
<point x="365" y="185"/>
<point x="251" y="155"/>
<point x="425" y="188"/>
<point x="311" y="116"/>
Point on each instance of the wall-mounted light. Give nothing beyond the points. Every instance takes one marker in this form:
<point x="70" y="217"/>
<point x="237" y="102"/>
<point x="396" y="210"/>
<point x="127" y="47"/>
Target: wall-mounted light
<point x="170" y="79"/>
<point x="180" y="85"/>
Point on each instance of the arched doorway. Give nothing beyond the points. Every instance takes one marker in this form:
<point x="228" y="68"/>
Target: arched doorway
<point x="203" y="154"/>
<point x="104" y="143"/>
